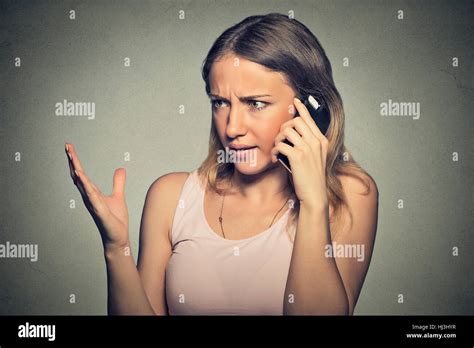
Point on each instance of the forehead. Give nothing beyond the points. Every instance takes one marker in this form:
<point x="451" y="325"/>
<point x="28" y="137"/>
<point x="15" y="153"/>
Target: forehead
<point x="244" y="77"/>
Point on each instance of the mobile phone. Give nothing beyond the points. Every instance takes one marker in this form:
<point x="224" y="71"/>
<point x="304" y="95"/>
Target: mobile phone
<point x="319" y="113"/>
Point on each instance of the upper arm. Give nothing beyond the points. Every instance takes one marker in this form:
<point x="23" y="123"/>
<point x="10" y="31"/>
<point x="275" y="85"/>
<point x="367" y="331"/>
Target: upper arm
<point x="361" y="234"/>
<point x="155" y="245"/>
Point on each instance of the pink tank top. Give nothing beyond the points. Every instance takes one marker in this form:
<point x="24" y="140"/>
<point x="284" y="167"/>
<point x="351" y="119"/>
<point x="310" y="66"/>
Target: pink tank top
<point x="210" y="275"/>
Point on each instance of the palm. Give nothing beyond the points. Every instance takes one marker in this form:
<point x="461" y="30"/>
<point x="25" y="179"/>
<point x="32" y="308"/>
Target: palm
<point x="118" y="208"/>
<point x="109" y="213"/>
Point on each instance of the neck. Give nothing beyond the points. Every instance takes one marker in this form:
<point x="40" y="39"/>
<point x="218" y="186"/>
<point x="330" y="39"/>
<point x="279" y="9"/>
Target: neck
<point x="263" y="187"/>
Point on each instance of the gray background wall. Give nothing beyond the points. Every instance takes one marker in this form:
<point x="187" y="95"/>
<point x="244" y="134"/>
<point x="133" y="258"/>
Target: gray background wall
<point x="137" y="111"/>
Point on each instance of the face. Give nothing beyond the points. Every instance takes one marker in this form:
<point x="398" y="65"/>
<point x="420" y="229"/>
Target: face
<point x="249" y="104"/>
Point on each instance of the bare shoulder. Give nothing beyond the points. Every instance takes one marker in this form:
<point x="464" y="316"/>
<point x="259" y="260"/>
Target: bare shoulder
<point x="170" y="182"/>
<point x="362" y="198"/>
<point x="361" y="193"/>
<point x="363" y="184"/>
<point x="167" y="190"/>
<point x="155" y="244"/>
<point x="356" y="228"/>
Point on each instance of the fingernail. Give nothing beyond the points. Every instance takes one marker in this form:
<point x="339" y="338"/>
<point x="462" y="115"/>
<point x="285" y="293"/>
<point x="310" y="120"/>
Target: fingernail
<point x="67" y="149"/>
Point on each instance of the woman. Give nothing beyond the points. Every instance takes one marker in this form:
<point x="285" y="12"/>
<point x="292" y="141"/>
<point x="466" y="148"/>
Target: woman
<point x="219" y="240"/>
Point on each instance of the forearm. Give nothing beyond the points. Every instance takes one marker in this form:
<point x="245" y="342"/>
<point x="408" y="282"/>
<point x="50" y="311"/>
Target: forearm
<point x="125" y="292"/>
<point x="313" y="279"/>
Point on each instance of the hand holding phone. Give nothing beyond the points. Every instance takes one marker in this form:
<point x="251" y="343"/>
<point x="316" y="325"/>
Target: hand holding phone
<point x="319" y="113"/>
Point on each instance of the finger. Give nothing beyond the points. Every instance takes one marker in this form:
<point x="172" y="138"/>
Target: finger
<point x="91" y="193"/>
<point x="74" y="158"/>
<point x="287" y="123"/>
<point x="71" y="169"/>
<point x="74" y="177"/>
<point x="284" y="149"/>
<point x="303" y="128"/>
<point x="83" y="184"/>
<point x="300" y="126"/>
<point x="119" y="182"/>
<point x="81" y="188"/>
<point x="291" y="134"/>
<point x="73" y="174"/>
<point x="306" y="116"/>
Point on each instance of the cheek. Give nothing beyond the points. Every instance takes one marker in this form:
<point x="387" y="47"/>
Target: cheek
<point x="273" y="129"/>
<point x="219" y="124"/>
<point x="268" y="136"/>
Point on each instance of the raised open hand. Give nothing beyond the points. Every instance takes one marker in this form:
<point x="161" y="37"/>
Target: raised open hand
<point x="109" y="213"/>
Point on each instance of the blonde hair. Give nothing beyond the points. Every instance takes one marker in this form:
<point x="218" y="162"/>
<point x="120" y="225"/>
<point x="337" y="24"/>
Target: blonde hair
<point x="287" y="46"/>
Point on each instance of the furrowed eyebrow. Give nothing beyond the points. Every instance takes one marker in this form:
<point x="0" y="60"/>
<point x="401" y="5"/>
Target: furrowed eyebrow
<point x="242" y="99"/>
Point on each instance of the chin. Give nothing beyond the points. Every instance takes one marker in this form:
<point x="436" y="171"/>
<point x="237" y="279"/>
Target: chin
<point x="249" y="169"/>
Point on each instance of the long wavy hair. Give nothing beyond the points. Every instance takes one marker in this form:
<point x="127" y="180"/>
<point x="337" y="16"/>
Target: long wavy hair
<point x="286" y="46"/>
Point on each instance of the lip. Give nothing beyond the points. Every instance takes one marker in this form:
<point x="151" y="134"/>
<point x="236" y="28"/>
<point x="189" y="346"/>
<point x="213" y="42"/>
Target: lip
<point x="241" y="147"/>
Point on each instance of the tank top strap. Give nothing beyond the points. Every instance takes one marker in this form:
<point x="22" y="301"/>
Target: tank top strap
<point x="188" y="205"/>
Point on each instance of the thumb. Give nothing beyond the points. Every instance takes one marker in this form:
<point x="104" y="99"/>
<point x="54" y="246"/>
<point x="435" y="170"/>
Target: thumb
<point x="119" y="182"/>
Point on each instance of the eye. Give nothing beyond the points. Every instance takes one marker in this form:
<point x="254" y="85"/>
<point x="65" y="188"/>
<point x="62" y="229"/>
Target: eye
<point x="255" y="106"/>
<point x="213" y="103"/>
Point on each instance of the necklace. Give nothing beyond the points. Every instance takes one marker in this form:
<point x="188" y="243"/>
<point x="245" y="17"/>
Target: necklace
<point x="222" y="207"/>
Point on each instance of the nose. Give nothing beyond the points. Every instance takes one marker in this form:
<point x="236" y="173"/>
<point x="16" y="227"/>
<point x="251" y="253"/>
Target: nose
<point x="236" y="125"/>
